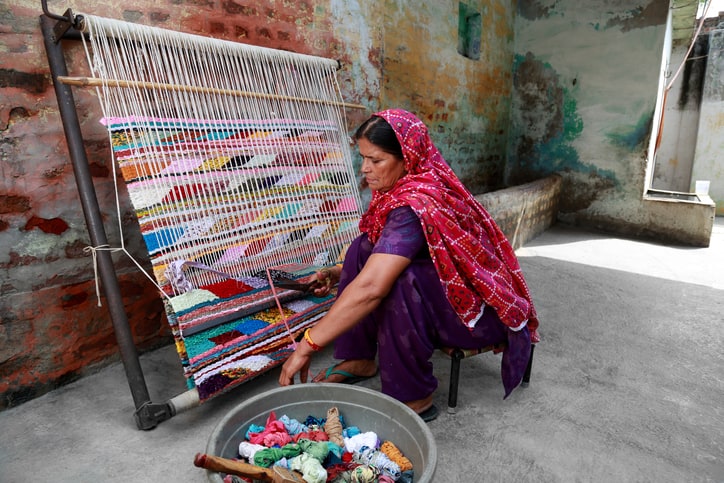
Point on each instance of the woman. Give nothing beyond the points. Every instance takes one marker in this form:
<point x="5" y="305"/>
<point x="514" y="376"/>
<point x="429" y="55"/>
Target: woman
<point x="430" y="269"/>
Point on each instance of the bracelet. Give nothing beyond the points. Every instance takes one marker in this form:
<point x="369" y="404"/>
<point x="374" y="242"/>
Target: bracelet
<point x="311" y="343"/>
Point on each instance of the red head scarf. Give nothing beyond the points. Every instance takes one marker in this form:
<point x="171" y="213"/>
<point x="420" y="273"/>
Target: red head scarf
<point x="473" y="258"/>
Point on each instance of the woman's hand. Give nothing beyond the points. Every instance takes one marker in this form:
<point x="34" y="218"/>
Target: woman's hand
<point x="298" y="362"/>
<point x="326" y="278"/>
<point x="358" y="300"/>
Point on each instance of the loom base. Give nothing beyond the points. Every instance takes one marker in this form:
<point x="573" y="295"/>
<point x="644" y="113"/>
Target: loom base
<point x="150" y="415"/>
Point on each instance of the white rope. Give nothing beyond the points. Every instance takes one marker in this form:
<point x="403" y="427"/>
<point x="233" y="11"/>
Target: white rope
<point x="93" y="251"/>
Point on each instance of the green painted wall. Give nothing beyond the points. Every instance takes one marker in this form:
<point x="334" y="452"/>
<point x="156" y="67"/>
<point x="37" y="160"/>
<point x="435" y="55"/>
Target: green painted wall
<point x="586" y="77"/>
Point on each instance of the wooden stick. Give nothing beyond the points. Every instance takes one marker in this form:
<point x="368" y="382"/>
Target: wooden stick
<point x="95" y="82"/>
<point x="239" y="468"/>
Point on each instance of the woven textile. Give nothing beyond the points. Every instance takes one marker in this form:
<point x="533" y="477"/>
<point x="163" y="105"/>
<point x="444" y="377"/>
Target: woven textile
<point x="217" y="356"/>
<point x="231" y="193"/>
<point x="218" y="201"/>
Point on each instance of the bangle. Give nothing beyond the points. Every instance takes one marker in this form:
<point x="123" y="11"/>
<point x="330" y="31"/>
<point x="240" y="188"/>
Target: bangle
<point x="311" y="343"/>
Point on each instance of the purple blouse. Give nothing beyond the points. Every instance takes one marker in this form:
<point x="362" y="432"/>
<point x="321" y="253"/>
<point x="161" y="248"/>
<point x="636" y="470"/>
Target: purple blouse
<point x="403" y="235"/>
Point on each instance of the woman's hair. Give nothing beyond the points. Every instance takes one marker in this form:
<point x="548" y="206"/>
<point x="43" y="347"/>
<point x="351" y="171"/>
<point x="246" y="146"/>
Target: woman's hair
<point x="379" y="132"/>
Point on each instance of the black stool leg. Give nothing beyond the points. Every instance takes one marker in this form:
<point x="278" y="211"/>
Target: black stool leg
<point x="452" y="399"/>
<point x="526" y="376"/>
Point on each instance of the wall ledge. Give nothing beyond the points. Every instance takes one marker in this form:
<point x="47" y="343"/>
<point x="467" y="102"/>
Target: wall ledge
<point x="678" y="197"/>
<point x="524" y="211"/>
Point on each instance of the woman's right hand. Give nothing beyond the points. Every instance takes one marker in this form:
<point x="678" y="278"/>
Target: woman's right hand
<point x="297" y="363"/>
<point x="327" y="278"/>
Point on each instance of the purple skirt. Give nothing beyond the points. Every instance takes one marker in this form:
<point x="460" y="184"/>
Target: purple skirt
<point x="415" y="319"/>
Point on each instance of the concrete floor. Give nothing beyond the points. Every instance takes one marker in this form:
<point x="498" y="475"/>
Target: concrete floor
<point x="627" y="386"/>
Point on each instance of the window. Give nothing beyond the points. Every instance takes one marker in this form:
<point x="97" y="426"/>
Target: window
<point x="470" y="30"/>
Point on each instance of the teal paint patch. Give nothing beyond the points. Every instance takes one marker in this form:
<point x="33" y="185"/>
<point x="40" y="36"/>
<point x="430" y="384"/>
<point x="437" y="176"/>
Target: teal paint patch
<point x="633" y="137"/>
<point x="546" y="124"/>
<point x="572" y="121"/>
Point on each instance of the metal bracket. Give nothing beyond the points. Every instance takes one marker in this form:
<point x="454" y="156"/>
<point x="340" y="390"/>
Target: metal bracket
<point x="64" y="24"/>
<point x="150" y="415"/>
<point x="67" y="18"/>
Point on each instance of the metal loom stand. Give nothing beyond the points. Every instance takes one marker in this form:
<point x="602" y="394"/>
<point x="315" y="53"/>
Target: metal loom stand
<point x="147" y="414"/>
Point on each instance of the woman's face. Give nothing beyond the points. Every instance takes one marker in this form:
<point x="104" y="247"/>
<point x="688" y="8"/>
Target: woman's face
<point x="380" y="169"/>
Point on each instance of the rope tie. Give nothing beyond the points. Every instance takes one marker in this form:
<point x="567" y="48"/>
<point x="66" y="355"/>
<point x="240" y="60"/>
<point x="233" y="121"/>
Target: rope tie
<point x="107" y="248"/>
<point x="396" y="456"/>
<point x="93" y="251"/>
<point x="333" y="427"/>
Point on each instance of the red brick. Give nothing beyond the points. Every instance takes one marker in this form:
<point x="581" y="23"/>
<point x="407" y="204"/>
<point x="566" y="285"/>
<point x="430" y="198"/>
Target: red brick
<point x="56" y="226"/>
<point x="14" y="204"/>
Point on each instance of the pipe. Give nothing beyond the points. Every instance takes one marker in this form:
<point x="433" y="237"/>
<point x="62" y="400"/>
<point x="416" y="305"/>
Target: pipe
<point x="92" y="213"/>
<point x="44" y="4"/>
<point x="184" y="401"/>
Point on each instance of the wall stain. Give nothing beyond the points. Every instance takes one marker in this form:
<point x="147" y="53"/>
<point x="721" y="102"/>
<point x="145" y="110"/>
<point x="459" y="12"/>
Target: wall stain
<point x="549" y="123"/>
<point x="14" y="204"/>
<point x="76" y="249"/>
<point x="692" y="80"/>
<point x="159" y="17"/>
<point x="70" y="301"/>
<point x="574" y="198"/>
<point x="33" y="83"/>
<point x="234" y="8"/>
<point x="55" y="226"/>
<point x="53" y="173"/>
<point x="533" y="10"/>
<point x="652" y="15"/>
<point x="17" y="260"/>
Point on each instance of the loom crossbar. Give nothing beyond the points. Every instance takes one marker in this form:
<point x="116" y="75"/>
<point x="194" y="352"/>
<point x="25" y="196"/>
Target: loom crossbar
<point x="91" y="82"/>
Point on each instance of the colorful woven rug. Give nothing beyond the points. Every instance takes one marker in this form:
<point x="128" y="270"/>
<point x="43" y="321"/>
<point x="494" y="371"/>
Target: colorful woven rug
<point x="218" y="201"/>
<point x="234" y="195"/>
<point x="222" y="345"/>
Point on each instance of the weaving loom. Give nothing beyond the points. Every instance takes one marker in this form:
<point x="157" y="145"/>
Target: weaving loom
<point x="237" y="164"/>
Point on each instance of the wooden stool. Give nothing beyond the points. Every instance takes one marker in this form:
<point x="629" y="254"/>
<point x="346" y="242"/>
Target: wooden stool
<point x="457" y="354"/>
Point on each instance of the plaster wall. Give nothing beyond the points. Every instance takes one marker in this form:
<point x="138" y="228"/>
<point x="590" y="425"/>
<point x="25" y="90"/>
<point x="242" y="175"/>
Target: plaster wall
<point x="524" y="211"/>
<point x="465" y="102"/>
<point x="709" y="157"/>
<point x="586" y="79"/>
<point x="675" y="155"/>
<point x="691" y="146"/>
<point x="392" y="53"/>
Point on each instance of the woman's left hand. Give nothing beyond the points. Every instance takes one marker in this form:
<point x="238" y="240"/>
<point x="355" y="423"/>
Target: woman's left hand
<point x="325" y="279"/>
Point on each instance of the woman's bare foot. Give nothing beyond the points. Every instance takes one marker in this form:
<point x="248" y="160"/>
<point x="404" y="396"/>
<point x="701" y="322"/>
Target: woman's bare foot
<point x="347" y="370"/>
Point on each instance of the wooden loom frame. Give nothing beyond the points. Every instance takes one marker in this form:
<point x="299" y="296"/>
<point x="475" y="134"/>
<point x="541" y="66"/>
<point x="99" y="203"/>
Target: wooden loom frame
<point x="55" y="28"/>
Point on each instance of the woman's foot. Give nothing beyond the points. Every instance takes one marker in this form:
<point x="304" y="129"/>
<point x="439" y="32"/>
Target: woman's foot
<point x="420" y="405"/>
<point x="424" y="408"/>
<point x="348" y="372"/>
